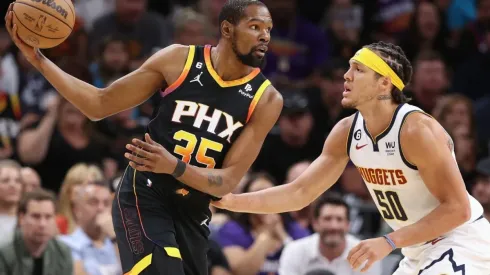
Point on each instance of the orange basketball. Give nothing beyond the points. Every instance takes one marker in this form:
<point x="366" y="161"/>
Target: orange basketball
<point x="44" y="23"/>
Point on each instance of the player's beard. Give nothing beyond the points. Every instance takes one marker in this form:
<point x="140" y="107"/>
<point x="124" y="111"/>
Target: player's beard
<point x="248" y="59"/>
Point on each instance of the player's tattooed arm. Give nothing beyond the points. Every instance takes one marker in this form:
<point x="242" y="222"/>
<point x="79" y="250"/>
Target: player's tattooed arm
<point x="420" y="139"/>
<point x="151" y="156"/>
<point x="318" y="178"/>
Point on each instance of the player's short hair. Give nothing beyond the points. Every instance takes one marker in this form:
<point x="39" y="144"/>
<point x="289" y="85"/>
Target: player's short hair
<point x="234" y="10"/>
<point x="332" y="199"/>
<point x="36" y="195"/>
<point x="397" y="60"/>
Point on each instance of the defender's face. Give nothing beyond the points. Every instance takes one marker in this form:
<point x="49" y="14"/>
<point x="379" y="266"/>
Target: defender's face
<point x="360" y="85"/>
<point x="252" y="35"/>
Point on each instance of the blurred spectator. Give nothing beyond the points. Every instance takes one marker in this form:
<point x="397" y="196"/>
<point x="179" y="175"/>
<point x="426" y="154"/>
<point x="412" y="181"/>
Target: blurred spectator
<point x="454" y="110"/>
<point x="303" y="216"/>
<point x="328" y="248"/>
<point x="471" y="77"/>
<point x="30" y="179"/>
<point x="57" y="142"/>
<point x="465" y="147"/>
<point x="297" y="47"/>
<point x="10" y="107"/>
<point x="427" y="32"/>
<point x="481" y="188"/>
<point x="34" y="249"/>
<point x="143" y="30"/>
<point x="326" y="96"/>
<point x="91" y="10"/>
<point x="112" y="61"/>
<point x="211" y="9"/>
<point x="472" y="38"/>
<point x="343" y="22"/>
<point x="460" y="13"/>
<point x="386" y="19"/>
<point x="92" y="244"/>
<point x="10" y="193"/>
<point x="293" y="135"/>
<point x="430" y="80"/>
<point x="217" y="262"/>
<point x="191" y="28"/>
<point x="319" y="272"/>
<point x="78" y="175"/>
<point x="253" y="243"/>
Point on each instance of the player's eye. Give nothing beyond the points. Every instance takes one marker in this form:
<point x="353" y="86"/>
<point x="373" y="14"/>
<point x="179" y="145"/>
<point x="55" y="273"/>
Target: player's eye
<point x="254" y="27"/>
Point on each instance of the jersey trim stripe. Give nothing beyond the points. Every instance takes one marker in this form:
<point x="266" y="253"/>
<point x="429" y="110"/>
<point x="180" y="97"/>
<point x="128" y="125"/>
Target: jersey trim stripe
<point x="183" y="74"/>
<point x="407" y="163"/>
<point x="351" y="133"/>
<point x="256" y="98"/>
<point x="217" y="78"/>
<point x="385" y="131"/>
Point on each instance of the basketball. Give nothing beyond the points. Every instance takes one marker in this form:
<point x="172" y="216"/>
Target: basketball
<point x="44" y="23"/>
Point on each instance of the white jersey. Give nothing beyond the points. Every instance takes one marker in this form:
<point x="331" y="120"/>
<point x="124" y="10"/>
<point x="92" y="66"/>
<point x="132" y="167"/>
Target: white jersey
<point x="394" y="183"/>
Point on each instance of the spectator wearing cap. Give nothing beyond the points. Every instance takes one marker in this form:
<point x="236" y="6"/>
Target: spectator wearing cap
<point x="328" y="248"/>
<point x="92" y="244"/>
<point x="34" y="249"/>
<point x="481" y="187"/>
<point x="293" y="135"/>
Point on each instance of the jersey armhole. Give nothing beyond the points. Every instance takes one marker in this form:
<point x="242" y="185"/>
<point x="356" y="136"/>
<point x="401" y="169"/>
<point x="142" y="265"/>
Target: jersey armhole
<point x="351" y="133"/>
<point x="408" y="163"/>
<point x="188" y="63"/>
<point x="256" y="98"/>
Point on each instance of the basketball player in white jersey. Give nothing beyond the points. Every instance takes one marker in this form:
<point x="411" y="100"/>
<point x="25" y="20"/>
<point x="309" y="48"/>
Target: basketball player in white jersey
<point x="407" y="162"/>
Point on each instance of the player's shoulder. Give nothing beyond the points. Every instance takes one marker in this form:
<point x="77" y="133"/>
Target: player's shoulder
<point x="272" y="95"/>
<point x="418" y="125"/>
<point x="344" y="125"/>
<point x="175" y="52"/>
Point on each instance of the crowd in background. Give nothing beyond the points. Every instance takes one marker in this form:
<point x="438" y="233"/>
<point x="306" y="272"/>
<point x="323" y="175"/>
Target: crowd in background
<point x="58" y="170"/>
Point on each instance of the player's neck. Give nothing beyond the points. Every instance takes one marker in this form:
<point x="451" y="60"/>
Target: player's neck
<point x="378" y="115"/>
<point x="227" y="65"/>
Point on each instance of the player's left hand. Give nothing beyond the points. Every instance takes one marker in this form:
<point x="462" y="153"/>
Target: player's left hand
<point x="149" y="155"/>
<point x="371" y="250"/>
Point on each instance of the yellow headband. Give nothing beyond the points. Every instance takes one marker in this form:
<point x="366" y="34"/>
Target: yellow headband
<point x="373" y="61"/>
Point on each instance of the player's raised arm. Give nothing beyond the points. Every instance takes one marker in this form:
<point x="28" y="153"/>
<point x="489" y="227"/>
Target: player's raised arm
<point x="427" y="145"/>
<point x="125" y="93"/>
<point x="319" y="177"/>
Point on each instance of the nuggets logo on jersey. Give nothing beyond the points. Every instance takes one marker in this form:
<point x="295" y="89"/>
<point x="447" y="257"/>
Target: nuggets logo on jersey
<point x="382" y="176"/>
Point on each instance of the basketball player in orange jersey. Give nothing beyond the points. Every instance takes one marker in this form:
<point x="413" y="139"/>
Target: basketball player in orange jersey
<point x="215" y="112"/>
<point x="407" y="162"/>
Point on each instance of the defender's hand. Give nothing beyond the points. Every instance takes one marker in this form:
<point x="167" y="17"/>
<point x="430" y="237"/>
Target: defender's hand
<point x="371" y="250"/>
<point x="226" y="202"/>
<point x="150" y="156"/>
<point x="33" y="55"/>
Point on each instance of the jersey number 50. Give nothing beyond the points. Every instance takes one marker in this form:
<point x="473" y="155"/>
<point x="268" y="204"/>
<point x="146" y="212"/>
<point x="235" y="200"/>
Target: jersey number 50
<point x="204" y="145"/>
<point x="392" y="207"/>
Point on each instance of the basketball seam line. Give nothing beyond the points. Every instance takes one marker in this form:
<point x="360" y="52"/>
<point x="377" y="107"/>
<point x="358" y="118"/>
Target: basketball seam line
<point x="73" y="12"/>
<point x="44" y="12"/>
<point x="32" y="31"/>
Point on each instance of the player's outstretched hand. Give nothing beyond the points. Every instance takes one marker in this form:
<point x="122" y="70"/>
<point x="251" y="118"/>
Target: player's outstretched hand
<point x="226" y="202"/>
<point x="32" y="55"/>
<point x="371" y="250"/>
<point x="148" y="155"/>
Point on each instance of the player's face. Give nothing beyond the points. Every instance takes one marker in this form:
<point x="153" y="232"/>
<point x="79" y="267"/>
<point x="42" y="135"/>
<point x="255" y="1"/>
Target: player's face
<point x="252" y="35"/>
<point x="332" y="225"/>
<point x="360" y="86"/>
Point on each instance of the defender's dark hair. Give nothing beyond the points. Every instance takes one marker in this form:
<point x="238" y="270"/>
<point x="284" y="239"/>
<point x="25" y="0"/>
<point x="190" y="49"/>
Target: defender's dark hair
<point x="234" y="10"/>
<point x="333" y="199"/>
<point x="397" y="60"/>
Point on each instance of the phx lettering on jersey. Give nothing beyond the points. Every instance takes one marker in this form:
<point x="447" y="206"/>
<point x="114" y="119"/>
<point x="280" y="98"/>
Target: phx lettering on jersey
<point x="52" y="4"/>
<point x="382" y="176"/>
<point x="198" y="112"/>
